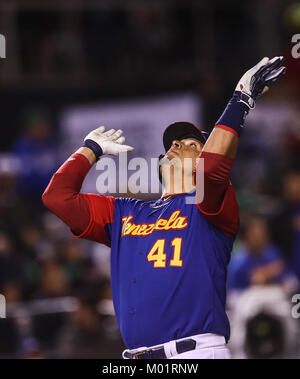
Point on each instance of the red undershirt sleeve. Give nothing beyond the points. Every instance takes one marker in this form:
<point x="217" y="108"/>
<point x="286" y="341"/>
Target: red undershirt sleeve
<point x="101" y="210"/>
<point x="219" y="204"/>
<point x="87" y="215"/>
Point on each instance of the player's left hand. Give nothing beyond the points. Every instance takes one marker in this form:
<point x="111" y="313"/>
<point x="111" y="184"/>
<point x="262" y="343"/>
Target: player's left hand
<point x="256" y="80"/>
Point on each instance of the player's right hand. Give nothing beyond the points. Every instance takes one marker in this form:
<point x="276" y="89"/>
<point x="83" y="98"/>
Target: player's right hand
<point x="110" y="142"/>
<point x="256" y="80"/>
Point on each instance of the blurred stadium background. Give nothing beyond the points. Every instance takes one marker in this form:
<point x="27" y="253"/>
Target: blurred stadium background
<point x="72" y="66"/>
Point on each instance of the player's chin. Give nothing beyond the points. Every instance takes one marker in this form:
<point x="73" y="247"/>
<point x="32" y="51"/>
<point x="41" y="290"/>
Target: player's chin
<point x="171" y="155"/>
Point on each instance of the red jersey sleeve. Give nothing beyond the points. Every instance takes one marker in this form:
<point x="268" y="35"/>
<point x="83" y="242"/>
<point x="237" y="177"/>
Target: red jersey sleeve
<point x="219" y="204"/>
<point x="227" y="217"/>
<point x="101" y="209"/>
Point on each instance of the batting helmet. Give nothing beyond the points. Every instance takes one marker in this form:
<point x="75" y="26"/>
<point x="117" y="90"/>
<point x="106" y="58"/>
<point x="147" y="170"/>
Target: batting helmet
<point x="180" y="130"/>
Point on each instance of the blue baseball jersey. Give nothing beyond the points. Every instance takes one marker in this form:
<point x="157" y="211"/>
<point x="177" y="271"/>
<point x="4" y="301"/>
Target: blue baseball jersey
<point x="168" y="264"/>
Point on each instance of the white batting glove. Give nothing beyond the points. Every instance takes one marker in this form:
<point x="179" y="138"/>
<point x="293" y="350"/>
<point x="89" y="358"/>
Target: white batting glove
<point x="110" y="142"/>
<point x="255" y="81"/>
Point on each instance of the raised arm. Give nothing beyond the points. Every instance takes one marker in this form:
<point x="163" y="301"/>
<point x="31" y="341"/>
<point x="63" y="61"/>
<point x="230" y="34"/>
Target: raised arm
<point x="62" y="196"/>
<point x="220" y="149"/>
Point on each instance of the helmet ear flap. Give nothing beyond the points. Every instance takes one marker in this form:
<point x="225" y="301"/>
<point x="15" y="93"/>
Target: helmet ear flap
<point x="158" y="167"/>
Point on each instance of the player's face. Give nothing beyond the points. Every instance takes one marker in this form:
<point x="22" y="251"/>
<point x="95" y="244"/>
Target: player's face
<point x="186" y="148"/>
<point x="179" y="163"/>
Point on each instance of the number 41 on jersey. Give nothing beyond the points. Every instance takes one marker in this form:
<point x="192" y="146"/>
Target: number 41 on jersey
<point x="158" y="256"/>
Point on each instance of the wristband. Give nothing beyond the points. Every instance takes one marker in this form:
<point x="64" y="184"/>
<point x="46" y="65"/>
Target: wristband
<point x="243" y="97"/>
<point x="235" y="113"/>
<point x="97" y="150"/>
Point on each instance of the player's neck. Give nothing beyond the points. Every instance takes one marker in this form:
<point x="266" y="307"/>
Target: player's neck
<point x="166" y="195"/>
<point x="173" y="187"/>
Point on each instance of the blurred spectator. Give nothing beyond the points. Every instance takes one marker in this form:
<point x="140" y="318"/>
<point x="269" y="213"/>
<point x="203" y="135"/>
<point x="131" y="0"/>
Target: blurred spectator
<point x="30" y="349"/>
<point x="12" y="291"/>
<point x="28" y="345"/>
<point x="259" y="262"/>
<point x="10" y="270"/>
<point x="55" y="230"/>
<point x="62" y="52"/>
<point x="13" y="211"/>
<point x="37" y="153"/>
<point x="85" y="337"/>
<point x="286" y="224"/>
<point x="54" y="282"/>
<point x="100" y="255"/>
<point x="76" y="266"/>
<point x="262" y="326"/>
<point x="292" y="140"/>
<point x="32" y="240"/>
<point x="291" y="21"/>
<point x="150" y="37"/>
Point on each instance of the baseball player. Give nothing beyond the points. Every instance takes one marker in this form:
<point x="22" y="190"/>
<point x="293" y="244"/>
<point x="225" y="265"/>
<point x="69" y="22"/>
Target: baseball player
<point x="168" y="257"/>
